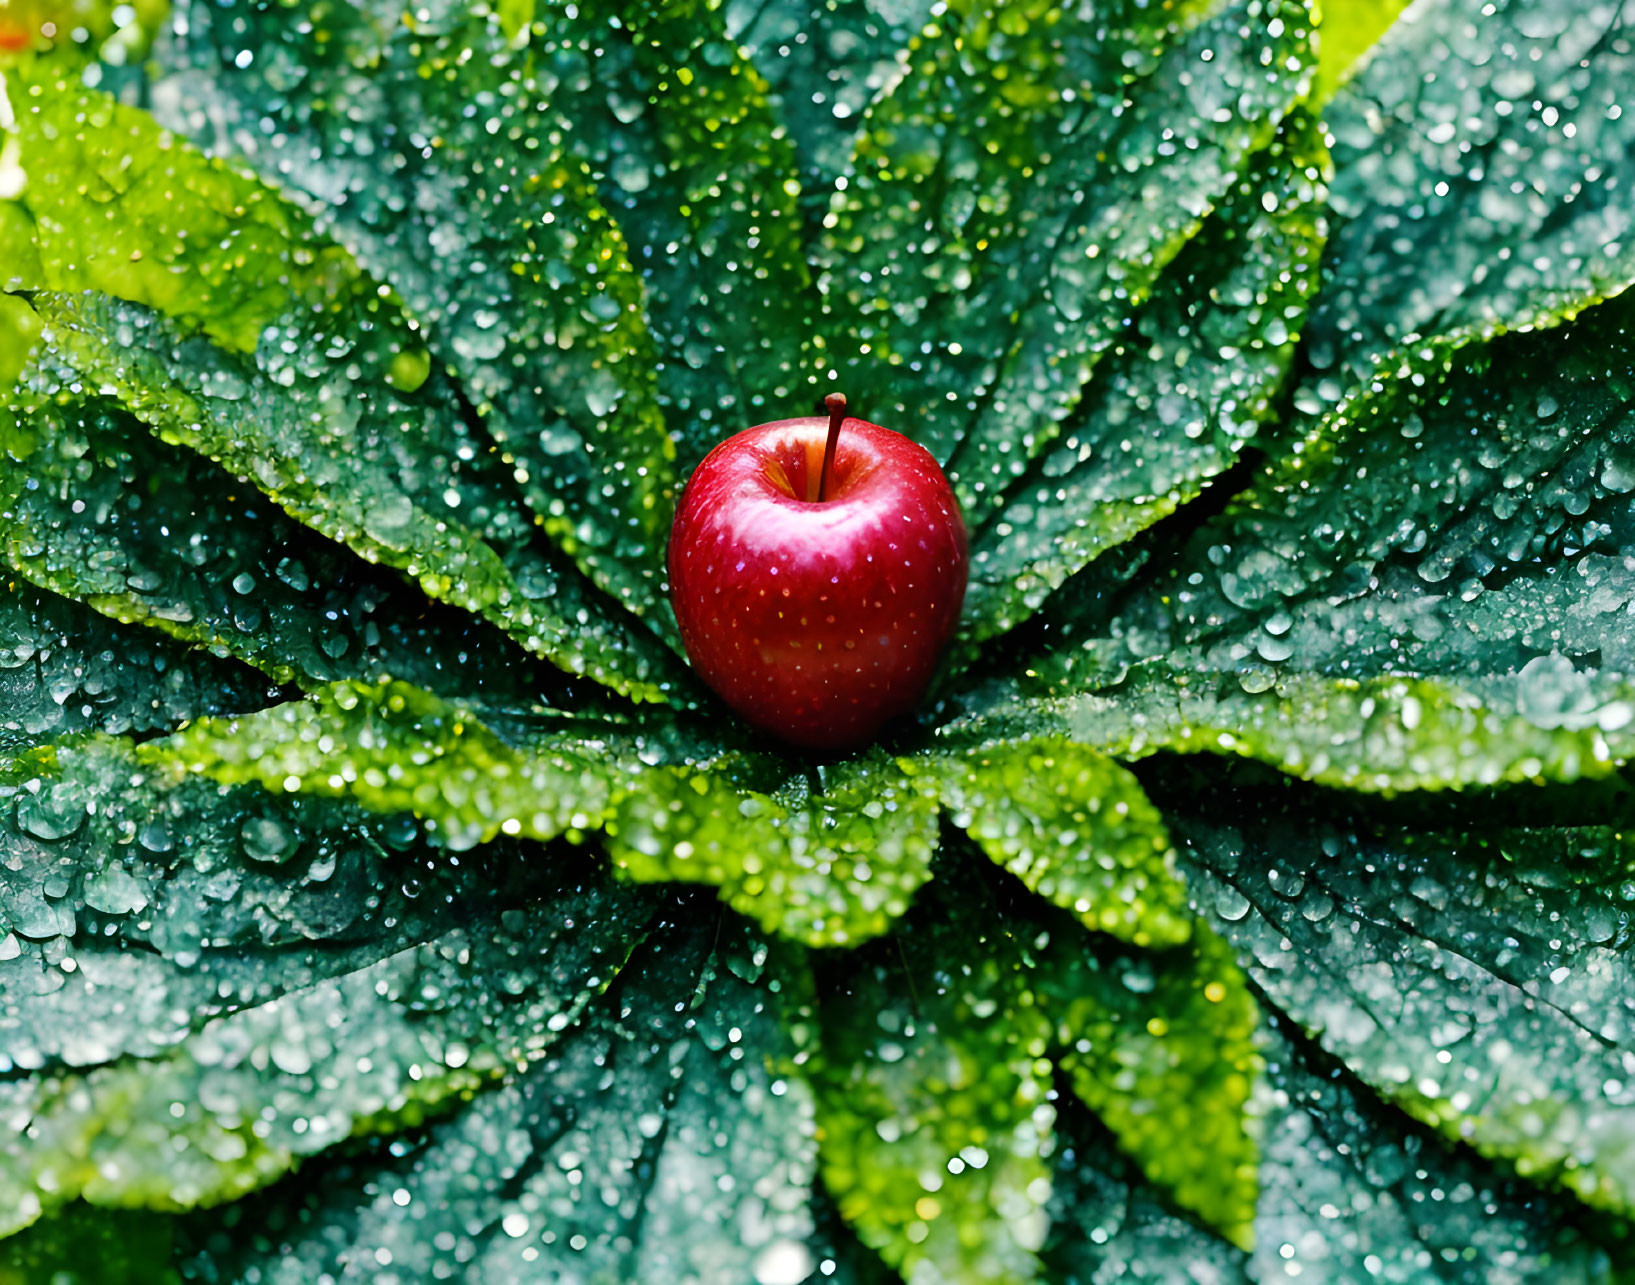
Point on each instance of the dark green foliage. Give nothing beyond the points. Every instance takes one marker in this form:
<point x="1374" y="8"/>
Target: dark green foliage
<point x="353" y="790"/>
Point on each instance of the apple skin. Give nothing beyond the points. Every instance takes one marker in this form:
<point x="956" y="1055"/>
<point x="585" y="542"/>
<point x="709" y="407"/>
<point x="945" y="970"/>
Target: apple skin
<point x="818" y="621"/>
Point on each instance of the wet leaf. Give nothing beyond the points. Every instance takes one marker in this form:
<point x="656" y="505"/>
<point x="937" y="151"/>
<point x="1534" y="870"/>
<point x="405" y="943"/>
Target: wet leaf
<point x="1432" y="594"/>
<point x="1475" y="977"/>
<point x="397" y="749"/>
<point x="1162" y="1049"/>
<point x="623" y="1153"/>
<point x="1384" y="734"/>
<point x="63" y="669"/>
<point x="1350" y="1191"/>
<point x="824" y="866"/>
<point x="1074" y="826"/>
<point x="1483" y="198"/>
<point x="941" y="1049"/>
<point x="208" y="560"/>
<point x="978" y="276"/>
<point x="489" y="225"/>
<point x="200" y="1061"/>
<point x="934" y="1102"/>
<point x="706" y="191"/>
<point x="1178" y="395"/>
<point x="826" y="67"/>
<point x="338" y="415"/>
<point x="828" y="862"/>
<point x="1348" y="37"/>
<point x="259" y="431"/>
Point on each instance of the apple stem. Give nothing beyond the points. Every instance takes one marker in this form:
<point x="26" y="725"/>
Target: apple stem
<point x="836" y="402"/>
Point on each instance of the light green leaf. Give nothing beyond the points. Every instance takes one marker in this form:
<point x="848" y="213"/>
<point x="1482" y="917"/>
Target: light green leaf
<point x="19" y="330"/>
<point x="935" y="1085"/>
<point x="114" y="203"/>
<point x="1074" y="826"/>
<point x="828" y="861"/>
<point x="1162" y="1049"/>
<point x="823" y="867"/>
<point x="77" y="30"/>
<point x="1346" y="35"/>
<point x="394" y="748"/>
<point x="1388" y="733"/>
<point x="933" y="1097"/>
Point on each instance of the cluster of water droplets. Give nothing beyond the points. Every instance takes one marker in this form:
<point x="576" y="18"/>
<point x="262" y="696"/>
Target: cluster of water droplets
<point x="1473" y="976"/>
<point x="1479" y="184"/>
<point x="203" y="984"/>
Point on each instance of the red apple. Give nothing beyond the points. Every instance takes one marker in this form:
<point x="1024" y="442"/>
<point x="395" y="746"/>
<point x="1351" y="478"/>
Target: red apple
<point x="817" y="569"/>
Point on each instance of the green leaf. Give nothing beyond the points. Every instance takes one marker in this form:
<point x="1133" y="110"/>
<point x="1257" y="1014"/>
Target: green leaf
<point x="114" y="203"/>
<point x="1472" y="976"/>
<point x="1435" y="631"/>
<point x="91" y="1247"/>
<point x="63" y="669"/>
<point x="980" y="275"/>
<point x="489" y="226"/>
<point x="826" y="67"/>
<point x="400" y="421"/>
<point x="256" y="430"/>
<point x="340" y="417"/>
<point x="933" y="1098"/>
<point x="79" y="30"/>
<point x="935" y="1083"/>
<point x="656" y="1139"/>
<point x="830" y="866"/>
<point x="1163" y="1051"/>
<point x="202" y="1065"/>
<point x="306" y="449"/>
<point x="394" y="748"/>
<point x="1074" y="826"/>
<point x="828" y="861"/>
<point x="1346" y="35"/>
<point x="1479" y="199"/>
<point x="695" y="185"/>
<point x="1350" y="1192"/>
<point x="1387" y="734"/>
<point x="19" y="328"/>
<point x="1355" y="1193"/>
<point x="1178" y="395"/>
<point x="97" y="510"/>
<point x="1107" y="1219"/>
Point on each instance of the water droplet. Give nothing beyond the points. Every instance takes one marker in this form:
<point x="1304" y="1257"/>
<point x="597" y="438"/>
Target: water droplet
<point x="267" y="839"/>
